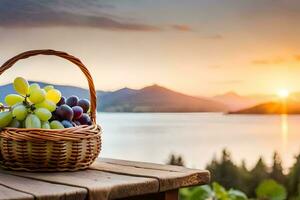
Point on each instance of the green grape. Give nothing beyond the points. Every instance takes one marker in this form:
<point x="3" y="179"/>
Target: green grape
<point x="49" y="105"/>
<point x="21" y="86"/>
<point x="46" y="125"/>
<point x="53" y="95"/>
<point x="13" y="99"/>
<point x="48" y="88"/>
<point x="34" y="86"/>
<point x="56" y="125"/>
<point x="15" y="124"/>
<point x="32" y="121"/>
<point x="5" y="118"/>
<point x="37" y="95"/>
<point x="43" y="114"/>
<point x="19" y="112"/>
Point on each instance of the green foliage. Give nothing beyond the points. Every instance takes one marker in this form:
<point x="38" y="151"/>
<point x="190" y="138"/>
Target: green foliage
<point x="293" y="182"/>
<point x="271" y="190"/>
<point x="230" y="175"/>
<point x="237" y="195"/>
<point x="196" y="193"/>
<point x="225" y="171"/>
<point x="220" y="191"/>
<point x="216" y="192"/>
<point x="176" y="160"/>
<point x="277" y="170"/>
<point x="258" y="174"/>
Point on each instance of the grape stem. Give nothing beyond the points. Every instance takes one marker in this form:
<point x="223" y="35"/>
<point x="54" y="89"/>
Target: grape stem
<point x="5" y="108"/>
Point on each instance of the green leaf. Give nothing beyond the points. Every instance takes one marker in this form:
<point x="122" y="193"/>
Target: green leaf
<point x="237" y="195"/>
<point x="185" y="193"/>
<point x="270" y="189"/>
<point x="220" y="192"/>
<point x="201" y="193"/>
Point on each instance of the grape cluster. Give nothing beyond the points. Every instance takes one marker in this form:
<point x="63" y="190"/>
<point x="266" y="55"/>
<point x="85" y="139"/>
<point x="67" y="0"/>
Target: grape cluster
<point x="72" y="112"/>
<point x="46" y="108"/>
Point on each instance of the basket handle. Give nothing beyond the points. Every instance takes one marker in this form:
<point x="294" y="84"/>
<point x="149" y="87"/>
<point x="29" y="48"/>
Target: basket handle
<point x="93" y="97"/>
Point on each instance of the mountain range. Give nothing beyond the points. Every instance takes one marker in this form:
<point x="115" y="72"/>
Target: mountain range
<point x="156" y="98"/>
<point x="153" y="98"/>
<point x="235" y="102"/>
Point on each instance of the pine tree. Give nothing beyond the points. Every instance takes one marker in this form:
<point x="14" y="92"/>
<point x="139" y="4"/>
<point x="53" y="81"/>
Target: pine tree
<point x="277" y="170"/>
<point x="293" y="182"/>
<point x="244" y="178"/>
<point x="225" y="171"/>
<point x="258" y="174"/>
<point x="176" y="160"/>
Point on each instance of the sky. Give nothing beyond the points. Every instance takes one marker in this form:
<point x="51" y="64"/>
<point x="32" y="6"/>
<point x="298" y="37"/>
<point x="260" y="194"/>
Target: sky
<point x="198" y="47"/>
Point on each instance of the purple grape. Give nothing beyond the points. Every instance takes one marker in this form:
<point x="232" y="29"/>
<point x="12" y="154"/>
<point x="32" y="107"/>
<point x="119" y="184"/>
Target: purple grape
<point x="64" y="112"/>
<point x="84" y="104"/>
<point x="72" y="101"/>
<point x="67" y="124"/>
<point x="78" y="111"/>
<point x="61" y="101"/>
<point x="54" y="116"/>
<point x="85" y="119"/>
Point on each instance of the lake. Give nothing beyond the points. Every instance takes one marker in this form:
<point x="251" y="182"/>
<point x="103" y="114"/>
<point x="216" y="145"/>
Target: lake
<point x="152" y="137"/>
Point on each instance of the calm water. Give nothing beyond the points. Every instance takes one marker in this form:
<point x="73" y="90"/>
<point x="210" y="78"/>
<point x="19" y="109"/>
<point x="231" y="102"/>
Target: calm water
<point x="199" y="136"/>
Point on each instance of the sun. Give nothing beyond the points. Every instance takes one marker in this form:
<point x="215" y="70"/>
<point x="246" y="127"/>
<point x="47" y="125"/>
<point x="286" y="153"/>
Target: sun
<point x="283" y="93"/>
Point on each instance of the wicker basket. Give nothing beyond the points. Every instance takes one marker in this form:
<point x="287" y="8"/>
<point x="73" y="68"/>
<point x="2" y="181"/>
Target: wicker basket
<point x="51" y="150"/>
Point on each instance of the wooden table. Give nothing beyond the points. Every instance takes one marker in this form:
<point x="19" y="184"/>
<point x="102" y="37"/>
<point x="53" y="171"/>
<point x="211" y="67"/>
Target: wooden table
<point x="105" y="179"/>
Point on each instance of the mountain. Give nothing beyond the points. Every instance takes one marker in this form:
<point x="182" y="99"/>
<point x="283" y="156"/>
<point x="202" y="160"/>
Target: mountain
<point x="236" y="102"/>
<point x="275" y="107"/>
<point x="156" y="99"/>
<point x="149" y="99"/>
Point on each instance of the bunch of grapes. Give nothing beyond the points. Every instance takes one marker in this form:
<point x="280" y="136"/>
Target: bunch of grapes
<point x="36" y="107"/>
<point x="72" y="112"/>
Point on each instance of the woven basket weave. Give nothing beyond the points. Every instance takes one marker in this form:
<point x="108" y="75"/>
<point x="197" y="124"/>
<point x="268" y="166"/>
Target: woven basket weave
<point x="68" y="149"/>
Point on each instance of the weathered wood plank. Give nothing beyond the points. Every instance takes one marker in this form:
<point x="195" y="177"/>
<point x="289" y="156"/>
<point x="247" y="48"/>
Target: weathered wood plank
<point x="170" y="177"/>
<point x="101" y="185"/>
<point x="147" y="165"/>
<point x="41" y="190"/>
<point x="7" y="193"/>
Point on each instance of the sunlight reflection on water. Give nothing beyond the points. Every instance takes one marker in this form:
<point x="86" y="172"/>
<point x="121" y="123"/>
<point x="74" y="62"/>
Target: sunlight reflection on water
<point x="284" y="131"/>
<point x="199" y="136"/>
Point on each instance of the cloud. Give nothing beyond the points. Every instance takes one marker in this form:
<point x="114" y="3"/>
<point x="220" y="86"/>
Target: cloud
<point x="182" y="27"/>
<point x="91" y="13"/>
<point x="276" y="60"/>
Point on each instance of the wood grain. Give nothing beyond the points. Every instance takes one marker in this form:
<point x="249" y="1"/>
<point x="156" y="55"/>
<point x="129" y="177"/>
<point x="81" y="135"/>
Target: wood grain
<point x="7" y="193"/>
<point x="106" y="179"/>
<point x="41" y="190"/>
<point x="169" y="177"/>
<point x="100" y="185"/>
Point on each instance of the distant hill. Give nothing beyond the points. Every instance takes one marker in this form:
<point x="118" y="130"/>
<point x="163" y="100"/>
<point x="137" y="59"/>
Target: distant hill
<point x="149" y="99"/>
<point x="156" y="99"/>
<point x="292" y="107"/>
<point x="236" y="102"/>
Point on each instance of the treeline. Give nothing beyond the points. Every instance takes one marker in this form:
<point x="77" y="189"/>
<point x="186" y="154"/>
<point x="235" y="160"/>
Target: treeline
<point x="230" y="175"/>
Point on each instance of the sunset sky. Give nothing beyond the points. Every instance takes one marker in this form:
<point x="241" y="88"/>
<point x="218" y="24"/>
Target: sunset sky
<point x="198" y="47"/>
